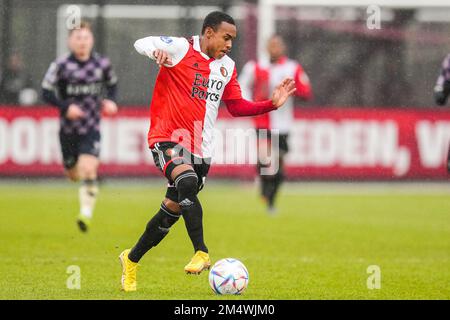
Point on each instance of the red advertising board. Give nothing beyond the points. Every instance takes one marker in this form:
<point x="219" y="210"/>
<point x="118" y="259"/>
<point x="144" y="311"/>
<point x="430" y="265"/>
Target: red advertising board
<point x="325" y="143"/>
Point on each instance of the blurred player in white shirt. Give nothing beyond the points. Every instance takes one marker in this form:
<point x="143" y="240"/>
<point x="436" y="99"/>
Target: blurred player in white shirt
<point x="257" y="80"/>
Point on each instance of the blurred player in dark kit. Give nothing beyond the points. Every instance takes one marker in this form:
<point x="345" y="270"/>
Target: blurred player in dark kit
<point x="442" y="91"/>
<point x="82" y="84"/>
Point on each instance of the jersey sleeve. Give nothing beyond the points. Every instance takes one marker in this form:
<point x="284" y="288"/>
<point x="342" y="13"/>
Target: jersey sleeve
<point x="232" y="89"/>
<point x="444" y="75"/>
<point x="246" y="80"/>
<point x="49" y="88"/>
<point x="110" y="76"/>
<point x="243" y="108"/>
<point x="302" y="84"/>
<point x="51" y="77"/>
<point x="175" y="47"/>
<point x="442" y="87"/>
<point x="110" y="79"/>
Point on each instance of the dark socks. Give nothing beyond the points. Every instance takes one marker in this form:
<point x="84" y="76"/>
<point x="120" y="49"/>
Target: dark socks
<point x="270" y="186"/>
<point x="191" y="209"/>
<point x="157" y="228"/>
<point x="193" y="216"/>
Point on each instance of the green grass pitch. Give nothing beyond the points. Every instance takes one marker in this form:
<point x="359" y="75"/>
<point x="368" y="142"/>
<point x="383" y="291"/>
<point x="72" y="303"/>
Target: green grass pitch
<point x="319" y="246"/>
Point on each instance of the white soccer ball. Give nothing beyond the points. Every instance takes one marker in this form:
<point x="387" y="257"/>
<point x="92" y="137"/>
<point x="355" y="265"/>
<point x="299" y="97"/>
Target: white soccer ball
<point x="228" y="276"/>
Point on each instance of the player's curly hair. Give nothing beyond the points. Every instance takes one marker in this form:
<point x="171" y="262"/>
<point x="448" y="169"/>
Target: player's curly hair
<point x="214" y="19"/>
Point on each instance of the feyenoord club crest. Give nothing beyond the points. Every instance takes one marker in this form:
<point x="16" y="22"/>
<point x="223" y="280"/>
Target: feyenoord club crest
<point x="223" y="71"/>
<point x="172" y="152"/>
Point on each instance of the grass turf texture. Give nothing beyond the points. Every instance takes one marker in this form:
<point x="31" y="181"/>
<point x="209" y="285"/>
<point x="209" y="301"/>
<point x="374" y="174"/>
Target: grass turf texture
<point x="318" y="247"/>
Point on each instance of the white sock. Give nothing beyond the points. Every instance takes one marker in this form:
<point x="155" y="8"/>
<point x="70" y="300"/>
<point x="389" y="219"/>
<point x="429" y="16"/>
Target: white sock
<point x="88" y="195"/>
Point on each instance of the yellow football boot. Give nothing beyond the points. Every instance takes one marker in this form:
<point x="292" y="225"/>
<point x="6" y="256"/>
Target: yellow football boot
<point x="129" y="269"/>
<point x="199" y="262"/>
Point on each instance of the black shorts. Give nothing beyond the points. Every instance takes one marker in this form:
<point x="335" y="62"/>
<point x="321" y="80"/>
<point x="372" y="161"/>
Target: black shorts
<point x="284" y="146"/>
<point x="168" y="155"/>
<point x="72" y="145"/>
<point x="282" y="141"/>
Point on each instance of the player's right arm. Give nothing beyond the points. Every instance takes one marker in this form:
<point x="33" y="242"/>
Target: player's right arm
<point x="49" y="94"/>
<point x="167" y="51"/>
<point x="442" y="88"/>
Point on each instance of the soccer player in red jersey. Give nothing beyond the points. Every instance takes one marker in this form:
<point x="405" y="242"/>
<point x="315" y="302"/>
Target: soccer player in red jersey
<point x="258" y="79"/>
<point x="195" y="75"/>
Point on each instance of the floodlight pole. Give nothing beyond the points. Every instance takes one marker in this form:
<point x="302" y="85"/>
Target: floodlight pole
<point x="100" y="28"/>
<point x="266" y="25"/>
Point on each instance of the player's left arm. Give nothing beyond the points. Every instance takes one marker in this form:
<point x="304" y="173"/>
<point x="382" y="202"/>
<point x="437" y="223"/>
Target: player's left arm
<point x="109" y="105"/>
<point x="240" y="107"/>
<point x="302" y="84"/>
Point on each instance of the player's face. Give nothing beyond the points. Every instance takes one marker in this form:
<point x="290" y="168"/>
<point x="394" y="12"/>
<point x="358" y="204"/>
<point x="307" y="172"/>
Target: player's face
<point x="81" y="42"/>
<point x="221" y="41"/>
<point x="276" y="48"/>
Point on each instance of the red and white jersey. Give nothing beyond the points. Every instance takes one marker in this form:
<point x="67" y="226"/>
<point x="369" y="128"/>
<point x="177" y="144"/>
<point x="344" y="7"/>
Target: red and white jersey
<point x="259" y="79"/>
<point x="187" y="94"/>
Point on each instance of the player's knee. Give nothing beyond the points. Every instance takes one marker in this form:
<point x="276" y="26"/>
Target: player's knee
<point x="72" y="174"/>
<point x="87" y="171"/>
<point x="187" y="187"/>
<point x="172" y="205"/>
<point x="160" y="224"/>
<point x="168" y="218"/>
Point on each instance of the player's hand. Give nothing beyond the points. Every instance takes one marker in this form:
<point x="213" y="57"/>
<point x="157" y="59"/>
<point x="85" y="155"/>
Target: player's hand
<point x="74" y="112"/>
<point x="109" y="107"/>
<point x="162" y="57"/>
<point x="282" y="92"/>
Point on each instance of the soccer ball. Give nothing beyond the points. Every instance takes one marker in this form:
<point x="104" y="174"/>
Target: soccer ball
<point x="228" y="276"/>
